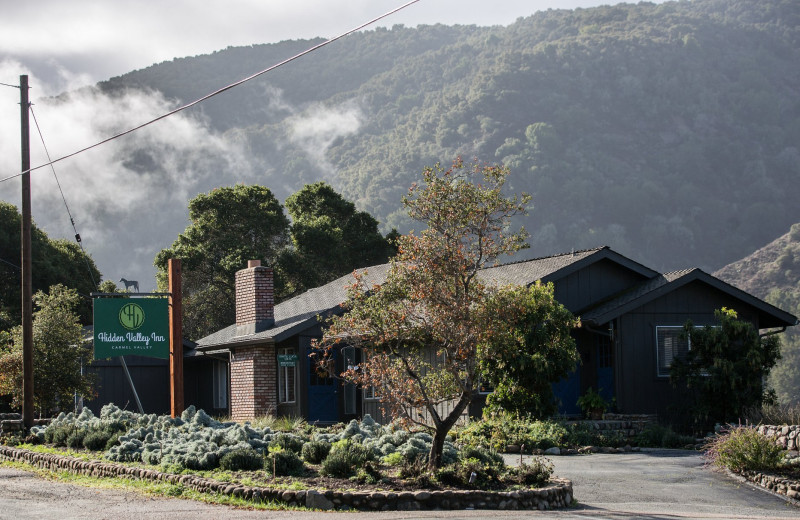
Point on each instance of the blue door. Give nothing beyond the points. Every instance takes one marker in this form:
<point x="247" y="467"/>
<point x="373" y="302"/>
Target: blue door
<point x="605" y="368"/>
<point x="567" y="392"/>
<point x="323" y="402"/>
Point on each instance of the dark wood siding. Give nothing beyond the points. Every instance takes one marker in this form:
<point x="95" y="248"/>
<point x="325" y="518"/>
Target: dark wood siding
<point x="593" y="284"/>
<point x="640" y="389"/>
<point x="151" y="379"/>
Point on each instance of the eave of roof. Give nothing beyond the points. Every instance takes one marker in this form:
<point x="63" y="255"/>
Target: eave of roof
<point x="770" y="316"/>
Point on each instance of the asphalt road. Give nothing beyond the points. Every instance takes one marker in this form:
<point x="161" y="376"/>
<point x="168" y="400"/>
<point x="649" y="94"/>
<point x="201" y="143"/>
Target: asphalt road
<point x="661" y="484"/>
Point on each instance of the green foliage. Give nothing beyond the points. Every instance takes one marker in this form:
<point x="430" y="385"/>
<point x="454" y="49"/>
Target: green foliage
<point x="345" y="458"/>
<point x="58" y="350"/>
<point x="742" y="448"/>
<point x="724" y="369"/>
<point x="618" y="118"/>
<point x="393" y="459"/>
<point x="281" y="462"/>
<point x="368" y="474"/>
<point x="483" y="455"/>
<point x="785" y="377"/>
<point x="583" y="434"/>
<point x="466" y="217"/>
<point x="534" y="473"/>
<point x="287" y="441"/>
<point x="459" y="475"/>
<point x="330" y="238"/>
<point x="315" y="452"/>
<point x="53" y="262"/>
<point x="498" y="431"/>
<point x="97" y="440"/>
<point x="657" y="436"/>
<point x="229" y="226"/>
<point x="592" y="402"/>
<point x="535" y="350"/>
<point x="242" y="459"/>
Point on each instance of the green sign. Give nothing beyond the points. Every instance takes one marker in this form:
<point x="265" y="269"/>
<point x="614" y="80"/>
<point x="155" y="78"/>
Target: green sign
<point x="131" y="327"/>
<point x="287" y="360"/>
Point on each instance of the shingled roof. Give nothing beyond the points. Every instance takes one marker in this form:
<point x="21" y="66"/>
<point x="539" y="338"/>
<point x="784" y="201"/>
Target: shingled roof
<point x="301" y="311"/>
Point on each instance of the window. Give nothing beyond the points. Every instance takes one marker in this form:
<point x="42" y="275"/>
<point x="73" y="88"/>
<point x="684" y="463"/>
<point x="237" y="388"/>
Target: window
<point x="370" y="392"/>
<point x="286" y="378"/>
<point x="670" y="346"/>
<point x="349" y="357"/>
<point x="219" y="384"/>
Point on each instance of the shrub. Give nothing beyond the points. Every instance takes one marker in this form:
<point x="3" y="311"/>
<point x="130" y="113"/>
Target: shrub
<point x="243" y="459"/>
<point x="501" y="430"/>
<point x="96" y="440"/>
<point x="75" y="439"/>
<point x="314" y="452"/>
<point x="345" y="456"/>
<point x="284" y="462"/>
<point x="657" y="436"/>
<point x="286" y="441"/>
<point x="394" y="459"/>
<point x="416" y="470"/>
<point x="368" y="474"/>
<point x="743" y="448"/>
<point x="113" y="440"/>
<point x="483" y="455"/>
<point x="58" y="435"/>
<point x="470" y="473"/>
<point x="535" y="473"/>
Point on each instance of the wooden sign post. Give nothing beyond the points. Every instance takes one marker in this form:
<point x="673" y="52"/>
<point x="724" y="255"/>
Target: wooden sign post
<point x="175" y="338"/>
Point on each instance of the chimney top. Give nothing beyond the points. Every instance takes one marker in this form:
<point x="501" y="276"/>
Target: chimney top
<point x="253" y="263"/>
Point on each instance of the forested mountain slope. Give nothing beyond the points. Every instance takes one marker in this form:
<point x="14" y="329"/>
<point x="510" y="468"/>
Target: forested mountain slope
<point x="669" y="131"/>
<point x="773" y="272"/>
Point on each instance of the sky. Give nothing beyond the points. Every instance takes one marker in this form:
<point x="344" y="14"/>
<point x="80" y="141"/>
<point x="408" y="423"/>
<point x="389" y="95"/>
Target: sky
<point x="64" y="45"/>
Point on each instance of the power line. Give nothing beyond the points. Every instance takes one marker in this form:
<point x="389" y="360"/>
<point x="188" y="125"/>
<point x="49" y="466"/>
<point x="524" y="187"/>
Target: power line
<point x="69" y="213"/>
<point x="220" y="91"/>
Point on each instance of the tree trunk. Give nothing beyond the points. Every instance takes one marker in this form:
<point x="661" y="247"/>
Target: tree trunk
<point x="442" y="429"/>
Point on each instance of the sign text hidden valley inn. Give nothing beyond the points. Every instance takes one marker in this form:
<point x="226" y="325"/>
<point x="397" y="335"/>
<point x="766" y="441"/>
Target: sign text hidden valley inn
<point x="127" y="326"/>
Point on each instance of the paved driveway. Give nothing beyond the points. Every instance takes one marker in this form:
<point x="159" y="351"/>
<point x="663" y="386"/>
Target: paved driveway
<point x="661" y="484"/>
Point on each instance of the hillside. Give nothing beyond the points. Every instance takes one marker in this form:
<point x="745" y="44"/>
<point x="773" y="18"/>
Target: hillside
<point x="776" y="266"/>
<point x="772" y="273"/>
<point x="666" y="131"/>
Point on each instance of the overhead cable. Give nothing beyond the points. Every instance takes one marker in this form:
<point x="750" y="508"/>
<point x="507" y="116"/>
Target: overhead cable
<point x="69" y="213"/>
<point x="219" y="91"/>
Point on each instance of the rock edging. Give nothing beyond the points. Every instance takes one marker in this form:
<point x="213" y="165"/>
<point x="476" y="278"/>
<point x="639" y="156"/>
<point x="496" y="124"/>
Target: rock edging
<point x="777" y="484"/>
<point x="557" y="495"/>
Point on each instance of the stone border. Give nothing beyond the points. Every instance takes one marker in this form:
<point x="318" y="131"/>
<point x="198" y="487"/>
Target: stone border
<point x="787" y="489"/>
<point x="557" y="495"/>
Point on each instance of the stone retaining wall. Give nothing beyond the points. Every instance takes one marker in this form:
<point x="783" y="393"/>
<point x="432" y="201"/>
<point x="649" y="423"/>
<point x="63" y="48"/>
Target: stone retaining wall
<point x="628" y="425"/>
<point x="785" y="436"/>
<point x="775" y="483"/>
<point x="10" y="423"/>
<point x="558" y="494"/>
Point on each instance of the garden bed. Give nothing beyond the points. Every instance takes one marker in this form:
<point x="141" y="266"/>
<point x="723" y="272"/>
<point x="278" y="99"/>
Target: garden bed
<point x="340" y="494"/>
<point x="361" y="465"/>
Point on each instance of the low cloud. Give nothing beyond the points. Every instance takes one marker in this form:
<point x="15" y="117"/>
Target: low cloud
<point x="128" y="197"/>
<point x="315" y="130"/>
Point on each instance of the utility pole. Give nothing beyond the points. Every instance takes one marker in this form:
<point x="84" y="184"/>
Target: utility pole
<point x="27" y="285"/>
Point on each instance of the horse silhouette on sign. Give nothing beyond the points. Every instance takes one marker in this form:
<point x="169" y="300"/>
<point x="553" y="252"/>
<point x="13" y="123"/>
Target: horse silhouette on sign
<point x="130" y="283"/>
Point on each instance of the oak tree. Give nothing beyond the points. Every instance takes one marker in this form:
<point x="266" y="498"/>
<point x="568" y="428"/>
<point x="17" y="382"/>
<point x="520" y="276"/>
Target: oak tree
<point x="58" y="351"/>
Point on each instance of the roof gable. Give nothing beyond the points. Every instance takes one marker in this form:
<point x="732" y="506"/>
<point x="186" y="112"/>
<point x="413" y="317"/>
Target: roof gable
<point x="769" y="315"/>
<point x="555" y="267"/>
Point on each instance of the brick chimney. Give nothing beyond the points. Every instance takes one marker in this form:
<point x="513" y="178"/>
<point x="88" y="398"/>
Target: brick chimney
<point x="255" y="299"/>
